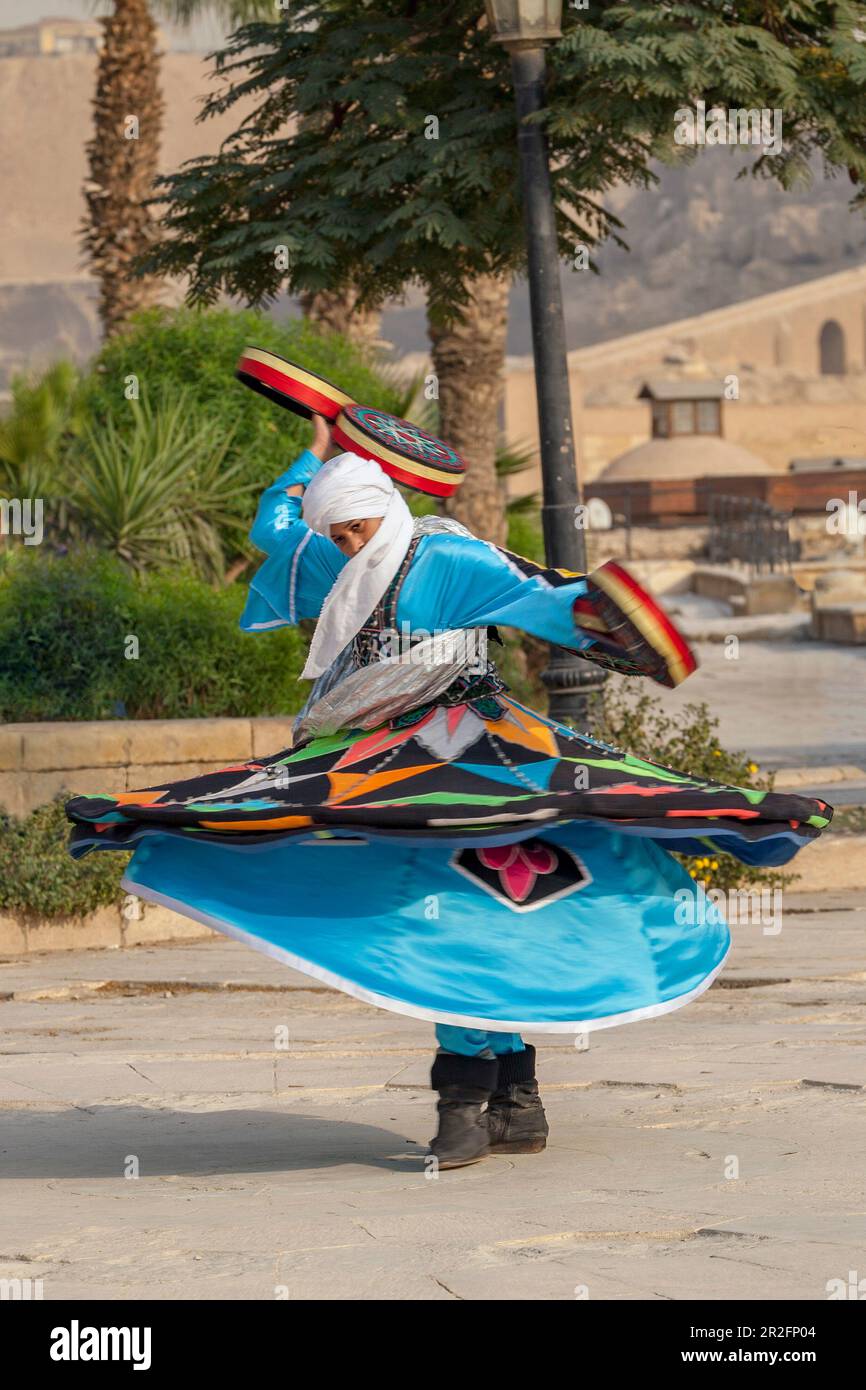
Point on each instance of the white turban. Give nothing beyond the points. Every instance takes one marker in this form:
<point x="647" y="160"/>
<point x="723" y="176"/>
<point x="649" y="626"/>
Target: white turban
<point x="351" y="488"/>
<point x="345" y="488"/>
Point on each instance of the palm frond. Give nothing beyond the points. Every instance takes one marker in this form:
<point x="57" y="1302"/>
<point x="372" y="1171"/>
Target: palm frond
<point x="44" y="411"/>
<point x="160" y="492"/>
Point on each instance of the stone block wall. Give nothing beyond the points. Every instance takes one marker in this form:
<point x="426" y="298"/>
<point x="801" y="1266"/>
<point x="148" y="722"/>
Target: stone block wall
<point x="112" y="755"/>
<point x="844" y="623"/>
<point x="132" y="922"/>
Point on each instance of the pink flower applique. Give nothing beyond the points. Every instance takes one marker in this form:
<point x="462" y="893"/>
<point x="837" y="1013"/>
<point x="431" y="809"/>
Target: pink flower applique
<point x="519" y="866"/>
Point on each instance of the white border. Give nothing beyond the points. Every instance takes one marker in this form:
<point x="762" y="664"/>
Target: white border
<point x="397" y="1006"/>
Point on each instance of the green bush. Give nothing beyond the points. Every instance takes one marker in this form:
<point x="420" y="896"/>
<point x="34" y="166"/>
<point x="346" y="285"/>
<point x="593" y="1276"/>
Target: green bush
<point x="67" y="625"/>
<point x="44" y="417"/>
<point x="848" y="820"/>
<point x="76" y="440"/>
<point x="524" y="533"/>
<point x="197" y="350"/>
<point x="687" y="741"/>
<point x="38" y="876"/>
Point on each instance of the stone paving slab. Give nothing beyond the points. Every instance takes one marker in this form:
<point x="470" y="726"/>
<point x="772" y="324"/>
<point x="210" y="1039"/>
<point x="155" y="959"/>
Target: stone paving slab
<point x="788" y="704"/>
<point x="712" y="1153"/>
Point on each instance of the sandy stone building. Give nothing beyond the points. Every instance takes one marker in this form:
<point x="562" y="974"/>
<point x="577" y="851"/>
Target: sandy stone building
<point x="796" y="361"/>
<point x="47" y="298"/>
<point x="687" y="437"/>
<point x="51" y="38"/>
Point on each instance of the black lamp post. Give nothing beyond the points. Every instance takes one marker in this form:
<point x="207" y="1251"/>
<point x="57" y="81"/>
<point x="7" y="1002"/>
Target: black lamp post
<point x="525" y="27"/>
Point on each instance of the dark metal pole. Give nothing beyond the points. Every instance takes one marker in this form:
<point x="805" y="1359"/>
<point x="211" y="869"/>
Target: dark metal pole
<point x="570" y="681"/>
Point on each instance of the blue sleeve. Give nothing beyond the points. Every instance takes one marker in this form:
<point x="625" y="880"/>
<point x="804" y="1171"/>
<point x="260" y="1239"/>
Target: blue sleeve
<point x="301" y="566"/>
<point x="464" y="582"/>
<point x="278" y="513"/>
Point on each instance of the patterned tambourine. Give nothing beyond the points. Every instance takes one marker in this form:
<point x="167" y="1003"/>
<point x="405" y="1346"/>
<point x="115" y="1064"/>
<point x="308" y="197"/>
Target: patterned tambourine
<point x="633" y="628"/>
<point x="407" y="453"/>
<point x="289" y="385"/>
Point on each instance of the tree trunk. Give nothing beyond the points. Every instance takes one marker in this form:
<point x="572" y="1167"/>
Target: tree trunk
<point x="123" y="158"/>
<point x="469" y="362"/>
<point x="334" y="311"/>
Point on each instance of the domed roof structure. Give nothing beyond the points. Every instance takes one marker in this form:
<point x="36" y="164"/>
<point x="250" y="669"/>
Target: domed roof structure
<point x="687" y="438"/>
<point x="683" y="457"/>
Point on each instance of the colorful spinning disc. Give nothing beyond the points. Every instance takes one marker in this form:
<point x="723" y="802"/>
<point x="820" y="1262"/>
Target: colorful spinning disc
<point x="407" y="453"/>
<point x="641" y="630"/>
<point x="289" y="385"/>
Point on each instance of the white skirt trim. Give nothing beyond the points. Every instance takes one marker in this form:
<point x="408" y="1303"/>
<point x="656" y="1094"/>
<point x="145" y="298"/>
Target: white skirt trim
<point x="397" y="1006"/>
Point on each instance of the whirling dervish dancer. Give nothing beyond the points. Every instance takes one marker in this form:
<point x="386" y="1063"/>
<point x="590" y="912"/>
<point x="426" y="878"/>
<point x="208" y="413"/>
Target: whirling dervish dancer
<point x="428" y="844"/>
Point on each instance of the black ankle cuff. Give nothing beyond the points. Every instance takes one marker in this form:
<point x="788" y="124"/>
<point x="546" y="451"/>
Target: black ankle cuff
<point x="453" y="1069"/>
<point x="515" y="1068"/>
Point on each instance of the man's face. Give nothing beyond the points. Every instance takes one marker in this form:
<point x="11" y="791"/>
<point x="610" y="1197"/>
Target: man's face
<point x="352" y="536"/>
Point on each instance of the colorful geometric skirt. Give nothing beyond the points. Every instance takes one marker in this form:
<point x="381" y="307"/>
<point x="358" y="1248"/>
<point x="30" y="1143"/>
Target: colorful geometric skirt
<point x="477" y="864"/>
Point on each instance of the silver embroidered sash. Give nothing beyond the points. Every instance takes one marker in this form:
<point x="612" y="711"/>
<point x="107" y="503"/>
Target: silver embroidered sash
<point x="412" y="669"/>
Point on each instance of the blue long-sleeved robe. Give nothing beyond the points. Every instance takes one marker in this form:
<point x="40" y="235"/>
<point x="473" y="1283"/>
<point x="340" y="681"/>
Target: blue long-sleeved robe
<point x="453" y="582"/>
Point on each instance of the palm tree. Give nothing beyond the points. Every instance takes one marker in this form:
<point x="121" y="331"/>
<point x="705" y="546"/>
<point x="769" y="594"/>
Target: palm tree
<point x="123" y="158"/>
<point x="123" y="154"/>
<point x="507" y="460"/>
<point x="469" y="362"/>
<point x="336" y="311"/>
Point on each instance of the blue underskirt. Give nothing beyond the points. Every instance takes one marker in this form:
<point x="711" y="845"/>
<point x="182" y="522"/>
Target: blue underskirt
<point x="399" y="926"/>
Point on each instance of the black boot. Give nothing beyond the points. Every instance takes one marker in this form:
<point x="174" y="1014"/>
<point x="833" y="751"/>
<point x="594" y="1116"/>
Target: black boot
<point x="516" y="1121"/>
<point x="464" y="1084"/>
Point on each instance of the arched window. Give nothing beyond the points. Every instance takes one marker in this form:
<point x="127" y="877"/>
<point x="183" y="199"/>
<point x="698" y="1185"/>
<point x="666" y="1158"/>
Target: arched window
<point x="831" y="345"/>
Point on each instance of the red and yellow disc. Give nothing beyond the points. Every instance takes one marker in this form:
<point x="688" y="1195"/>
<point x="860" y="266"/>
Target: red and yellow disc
<point x="289" y="385"/>
<point x="407" y="453"/>
<point x="637" y="624"/>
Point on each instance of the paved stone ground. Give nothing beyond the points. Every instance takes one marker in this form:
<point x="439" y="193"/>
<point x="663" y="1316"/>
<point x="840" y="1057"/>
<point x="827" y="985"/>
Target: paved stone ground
<point x="789" y="704"/>
<point x="302" y="1170"/>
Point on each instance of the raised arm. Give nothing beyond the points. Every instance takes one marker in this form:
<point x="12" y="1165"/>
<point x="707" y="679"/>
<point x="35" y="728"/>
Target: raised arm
<point x="301" y="566"/>
<point x="280" y="505"/>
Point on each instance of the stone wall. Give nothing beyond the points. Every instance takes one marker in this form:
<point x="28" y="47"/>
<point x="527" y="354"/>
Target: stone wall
<point x="113" y="755"/>
<point x="687" y="542"/>
<point x="132" y="922"/>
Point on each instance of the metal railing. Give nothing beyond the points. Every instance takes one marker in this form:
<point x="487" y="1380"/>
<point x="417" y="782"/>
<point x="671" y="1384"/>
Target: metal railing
<point x="746" y="531"/>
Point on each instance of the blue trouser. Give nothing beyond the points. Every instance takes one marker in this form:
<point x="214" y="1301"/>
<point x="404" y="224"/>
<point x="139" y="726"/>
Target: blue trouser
<point x="474" y="1042"/>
